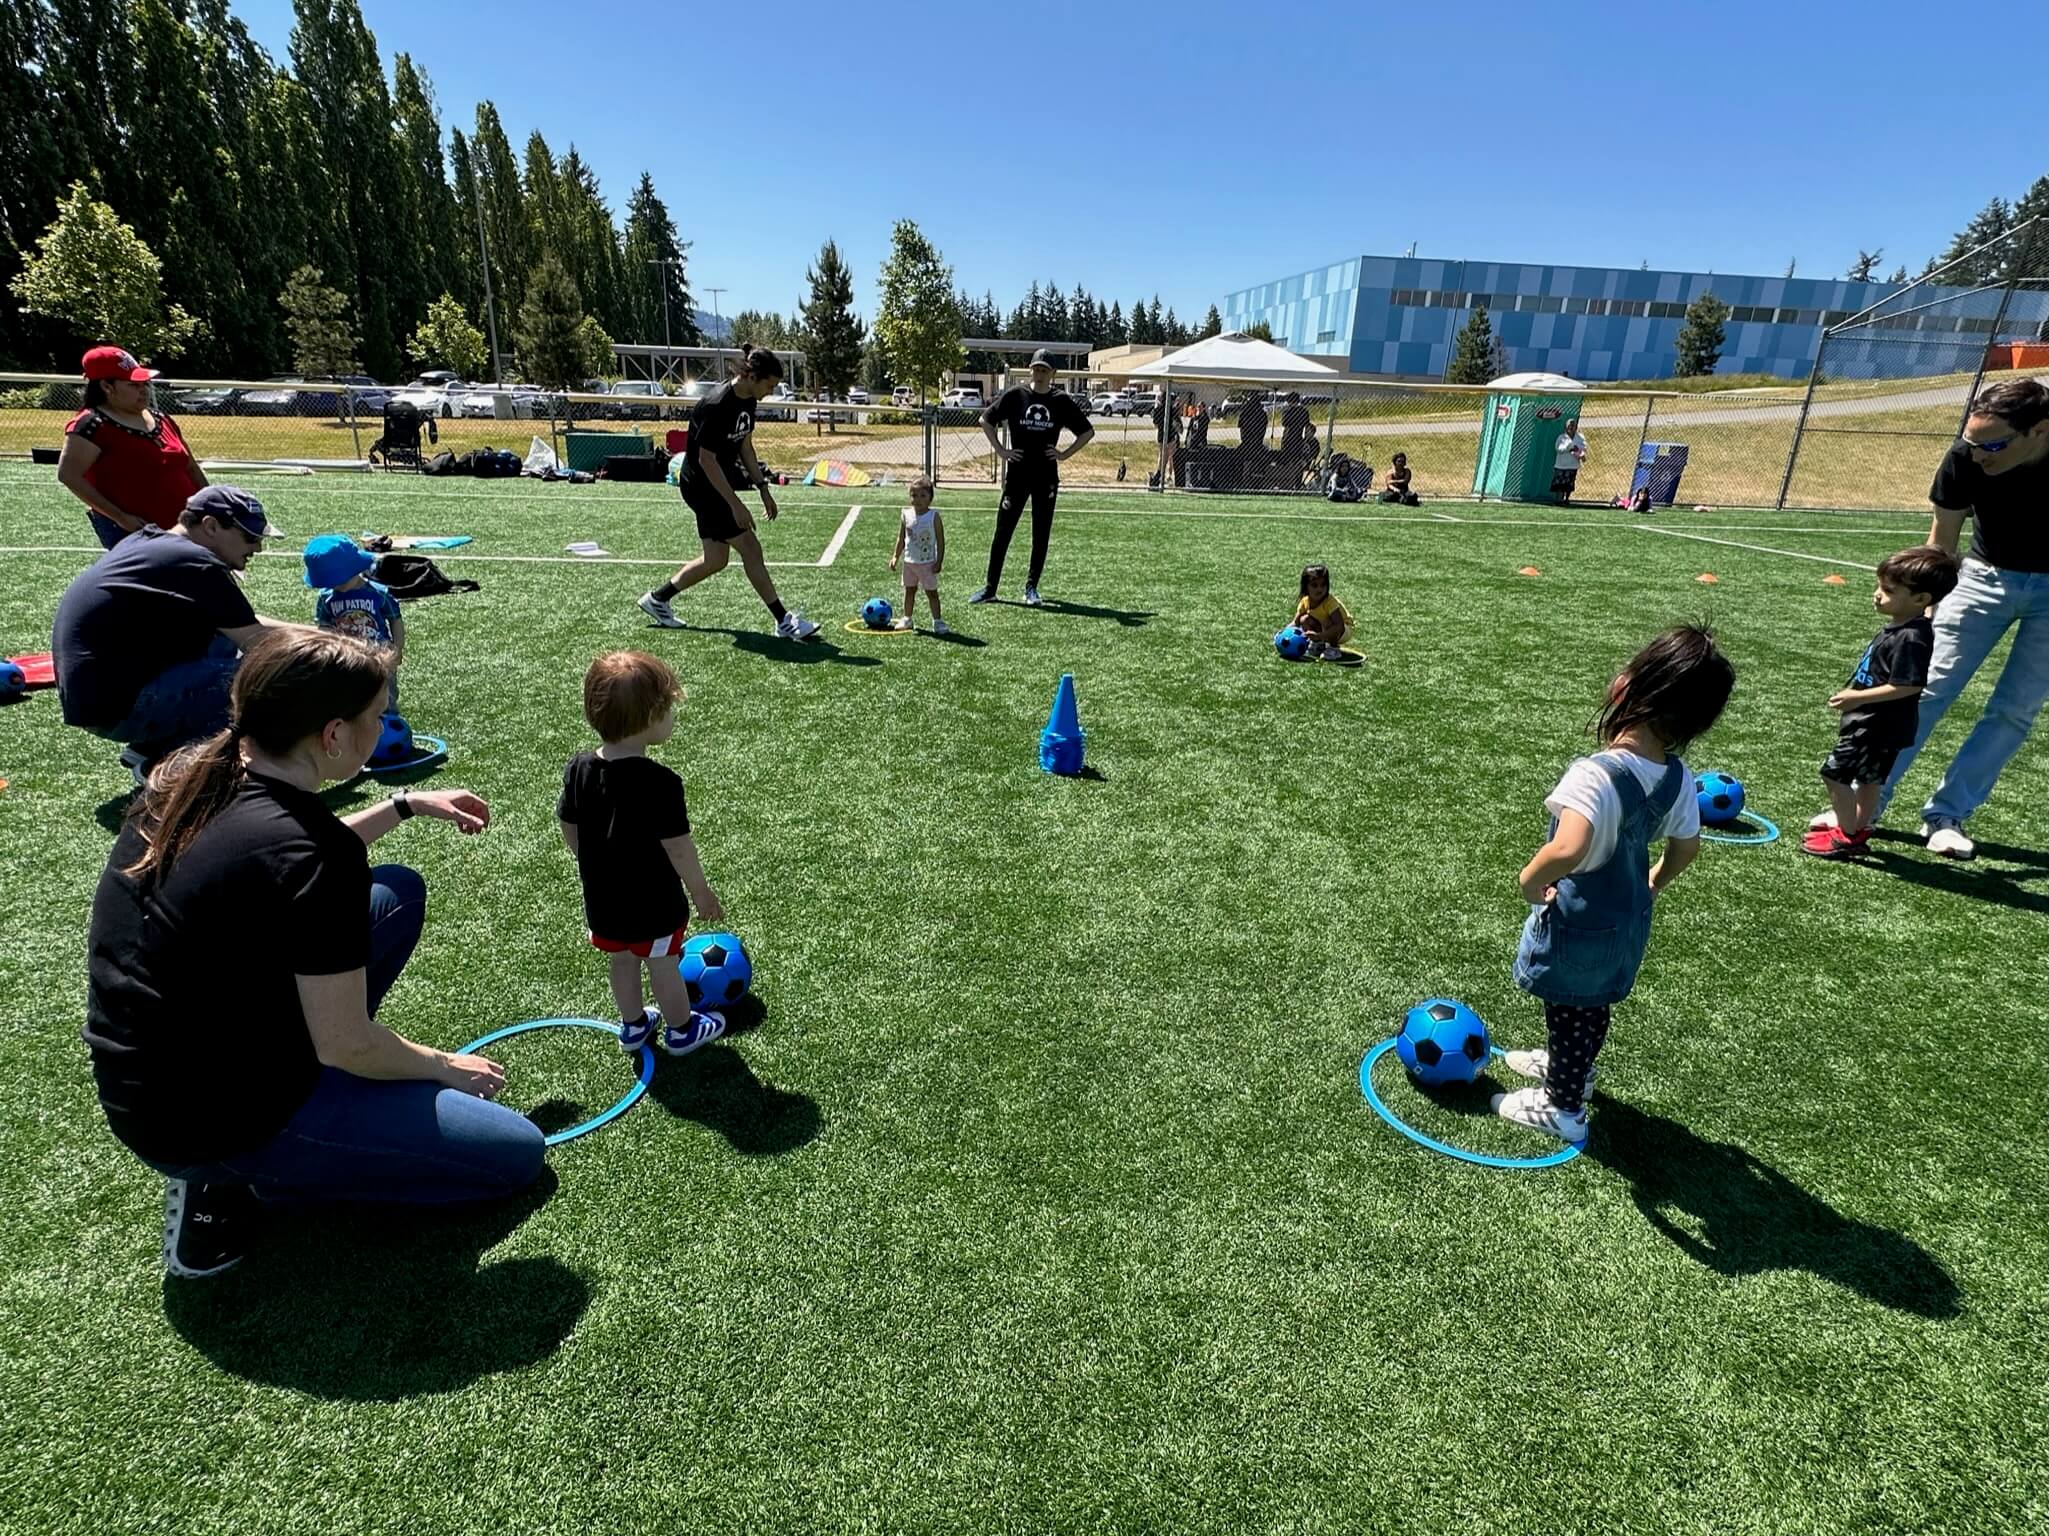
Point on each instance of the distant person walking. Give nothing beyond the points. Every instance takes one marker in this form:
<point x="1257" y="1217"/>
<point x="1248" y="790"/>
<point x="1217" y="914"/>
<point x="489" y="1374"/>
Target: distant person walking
<point x="1252" y="440"/>
<point x="1996" y="474"/>
<point x="1571" y="453"/>
<point x="1167" y="432"/>
<point x="125" y="461"/>
<point x="1031" y="468"/>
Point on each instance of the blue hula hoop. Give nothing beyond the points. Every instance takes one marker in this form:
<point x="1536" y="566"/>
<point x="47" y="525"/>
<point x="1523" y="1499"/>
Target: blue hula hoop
<point x="632" y="1097"/>
<point x="1770" y="834"/>
<point x="431" y="750"/>
<point x="1564" y="1154"/>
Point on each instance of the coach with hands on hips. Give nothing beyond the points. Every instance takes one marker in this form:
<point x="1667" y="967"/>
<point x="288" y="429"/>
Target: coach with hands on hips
<point x="1031" y="467"/>
<point x="1997" y="474"/>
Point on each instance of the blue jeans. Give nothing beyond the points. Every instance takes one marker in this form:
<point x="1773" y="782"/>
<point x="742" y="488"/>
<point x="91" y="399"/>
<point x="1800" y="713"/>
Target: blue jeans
<point x="105" y="529"/>
<point x="1987" y="603"/>
<point x="406" y="1143"/>
<point x="181" y="704"/>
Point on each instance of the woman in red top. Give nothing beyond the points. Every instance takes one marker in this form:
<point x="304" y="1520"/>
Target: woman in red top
<point x="126" y="462"/>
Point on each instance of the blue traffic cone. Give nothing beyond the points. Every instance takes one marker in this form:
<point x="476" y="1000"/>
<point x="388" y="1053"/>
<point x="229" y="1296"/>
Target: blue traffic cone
<point x="1063" y="741"/>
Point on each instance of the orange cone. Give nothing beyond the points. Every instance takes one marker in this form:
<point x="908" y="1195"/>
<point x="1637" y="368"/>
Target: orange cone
<point x="1832" y="580"/>
<point x="1529" y="570"/>
<point x="1708" y="577"/>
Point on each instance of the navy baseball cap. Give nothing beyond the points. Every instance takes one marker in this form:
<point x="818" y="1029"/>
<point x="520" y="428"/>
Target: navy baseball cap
<point x="1042" y="359"/>
<point x="232" y="504"/>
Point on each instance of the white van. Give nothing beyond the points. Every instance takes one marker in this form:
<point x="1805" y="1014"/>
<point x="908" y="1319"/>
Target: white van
<point x="966" y="398"/>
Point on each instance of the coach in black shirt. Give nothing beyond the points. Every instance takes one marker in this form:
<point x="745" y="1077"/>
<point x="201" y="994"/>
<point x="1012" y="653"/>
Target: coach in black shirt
<point x="1997" y="475"/>
<point x="1031" y="467"/>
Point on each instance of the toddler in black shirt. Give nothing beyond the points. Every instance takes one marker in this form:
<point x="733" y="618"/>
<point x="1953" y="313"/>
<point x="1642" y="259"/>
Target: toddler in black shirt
<point x="1881" y="706"/>
<point x="624" y="818"/>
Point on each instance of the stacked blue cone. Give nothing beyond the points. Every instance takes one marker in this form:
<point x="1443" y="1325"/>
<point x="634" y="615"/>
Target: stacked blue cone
<point x="1063" y="741"/>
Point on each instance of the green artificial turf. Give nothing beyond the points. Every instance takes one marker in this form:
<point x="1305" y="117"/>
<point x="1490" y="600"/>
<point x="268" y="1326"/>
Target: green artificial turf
<point x="1043" y="1196"/>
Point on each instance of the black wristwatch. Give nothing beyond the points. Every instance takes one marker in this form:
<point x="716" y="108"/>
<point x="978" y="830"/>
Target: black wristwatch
<point x="403" y="805"/>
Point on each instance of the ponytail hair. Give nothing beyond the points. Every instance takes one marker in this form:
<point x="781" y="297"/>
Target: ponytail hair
<point x="759" y="363"/>
<point x="291" y="683"/>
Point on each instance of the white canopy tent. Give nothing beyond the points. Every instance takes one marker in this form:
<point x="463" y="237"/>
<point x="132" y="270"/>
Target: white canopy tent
<point x="1234" y="355"/>
<point x="1549" y="383"/>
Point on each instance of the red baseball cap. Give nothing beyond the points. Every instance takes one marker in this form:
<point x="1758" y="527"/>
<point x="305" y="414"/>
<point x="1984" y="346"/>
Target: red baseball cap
<point x="115" y="363"/>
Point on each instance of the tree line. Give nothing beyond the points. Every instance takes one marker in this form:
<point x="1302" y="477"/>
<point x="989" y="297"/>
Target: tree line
<point x="240" y="175"/>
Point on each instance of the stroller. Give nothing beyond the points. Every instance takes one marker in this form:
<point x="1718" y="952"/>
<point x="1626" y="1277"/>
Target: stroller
<point x="399" y="447"/>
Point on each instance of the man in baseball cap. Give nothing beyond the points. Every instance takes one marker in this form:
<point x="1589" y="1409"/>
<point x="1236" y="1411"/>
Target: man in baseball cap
<point x="1035" y="417"/>
<point x="115" y="363"/>
<point x="148" y="637"/>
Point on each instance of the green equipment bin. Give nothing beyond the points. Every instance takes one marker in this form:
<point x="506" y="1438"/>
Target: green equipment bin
<point x="588" y="451"/>
<point x="1519" y="444"/>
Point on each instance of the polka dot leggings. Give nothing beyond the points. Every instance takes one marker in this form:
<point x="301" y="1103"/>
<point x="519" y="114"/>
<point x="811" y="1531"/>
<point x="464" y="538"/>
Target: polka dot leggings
<point x="1576" y="1035"/>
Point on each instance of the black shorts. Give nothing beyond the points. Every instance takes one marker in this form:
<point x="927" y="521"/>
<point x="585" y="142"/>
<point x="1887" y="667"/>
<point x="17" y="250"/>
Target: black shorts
<point x="1860" y="758"/>
<point x="715" y="520"/>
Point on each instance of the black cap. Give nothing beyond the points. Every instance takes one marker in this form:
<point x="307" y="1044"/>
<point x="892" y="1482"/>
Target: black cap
<point x="1040" y="359"/>
<point x="232" y="504"/>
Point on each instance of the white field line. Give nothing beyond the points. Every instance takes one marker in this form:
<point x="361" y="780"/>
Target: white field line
<point x="1445" y="517"/>
<point x="839" y="539"/>
<point x="1761" y="549"/>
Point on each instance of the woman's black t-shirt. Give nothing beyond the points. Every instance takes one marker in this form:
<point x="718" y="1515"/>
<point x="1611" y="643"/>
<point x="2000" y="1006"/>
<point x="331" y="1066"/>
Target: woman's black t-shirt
<point x="199" y="1044"/>
<point x="722" y="422"/>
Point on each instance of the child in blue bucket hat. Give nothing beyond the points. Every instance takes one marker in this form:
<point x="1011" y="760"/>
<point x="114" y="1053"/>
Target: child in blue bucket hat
<point x="350" y="603"/>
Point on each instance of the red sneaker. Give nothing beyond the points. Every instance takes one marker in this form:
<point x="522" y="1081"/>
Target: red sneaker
<point x="1834" y="843"/>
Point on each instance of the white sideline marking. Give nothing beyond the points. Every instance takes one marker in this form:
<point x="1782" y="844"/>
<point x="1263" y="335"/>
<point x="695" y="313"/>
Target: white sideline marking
<point x="1762" y="549"/>
<point x="1445" y="517"/>
<point x="839" y="539"/>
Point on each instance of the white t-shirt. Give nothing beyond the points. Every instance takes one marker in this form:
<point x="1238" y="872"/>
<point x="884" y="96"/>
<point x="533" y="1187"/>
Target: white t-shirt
<point x="921" y="535"/>
<point x="1571" y="449"/>
<point x="1588" y="790"/>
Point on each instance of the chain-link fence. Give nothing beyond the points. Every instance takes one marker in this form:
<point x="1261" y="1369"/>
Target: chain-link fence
<point x="1892" y="385"/>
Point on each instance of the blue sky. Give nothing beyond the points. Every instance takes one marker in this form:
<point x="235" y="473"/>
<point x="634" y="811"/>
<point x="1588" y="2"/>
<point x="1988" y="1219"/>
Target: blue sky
<point x="1193" y="148"/>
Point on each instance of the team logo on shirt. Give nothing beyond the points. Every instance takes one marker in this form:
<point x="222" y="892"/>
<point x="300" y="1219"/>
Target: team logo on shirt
<point x="1037" y="419"/>
<point x="742" y="425"/>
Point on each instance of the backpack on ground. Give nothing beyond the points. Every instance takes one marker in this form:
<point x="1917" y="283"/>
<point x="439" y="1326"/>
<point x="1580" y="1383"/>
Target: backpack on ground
<point x="411" y="577"/>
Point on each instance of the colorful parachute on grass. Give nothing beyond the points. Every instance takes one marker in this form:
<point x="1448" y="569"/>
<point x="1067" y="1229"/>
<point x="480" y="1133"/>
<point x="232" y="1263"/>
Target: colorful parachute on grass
<point x="835" y="472"/>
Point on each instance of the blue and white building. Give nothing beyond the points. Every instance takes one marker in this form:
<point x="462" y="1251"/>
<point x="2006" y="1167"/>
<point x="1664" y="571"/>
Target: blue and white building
<point x="1397" y="316"/>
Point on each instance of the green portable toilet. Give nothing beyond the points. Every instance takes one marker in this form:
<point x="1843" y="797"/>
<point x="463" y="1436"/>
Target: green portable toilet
<point x="1519" y="434"/>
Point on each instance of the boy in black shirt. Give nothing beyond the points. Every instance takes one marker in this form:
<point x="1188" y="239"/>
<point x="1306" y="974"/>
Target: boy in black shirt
<point x="1880" y="707"/>
<point x="624" y="819"/>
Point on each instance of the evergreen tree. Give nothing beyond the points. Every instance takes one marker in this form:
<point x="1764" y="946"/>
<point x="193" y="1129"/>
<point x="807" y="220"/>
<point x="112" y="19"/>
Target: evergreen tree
<point x="552" y="348"/>
<point x="593" y="244"/>
<point x="508" y="232"/>
<point x="1155" y="324"/>
<point x="1699" y="344"/>
<point x="1992" y="221"/>
<point x="917" y="320"/>
<point x="1261" y="331"/>
<point x="446" y="339"/>
<point x="832" y="332"/>
<point x="317" y="317"/>
<point x="423" y="196"/>
<point x="1081" y="317"/>
<point x="97" y="275"/>
<point x="1175" y="333"/>
<point x="1473" y="356"/>
<point x="652" y="270"/>
<point x="30" y="172"/>
<point x="1115" y="334"/>
<point x="468" y="199"/>
<point x="1053" y="314"/>
<point x="1141" y="326"/>
<point x="1212" y="324"/>
<point x="1865" y="265"/>
<point x="1899" y="274"/>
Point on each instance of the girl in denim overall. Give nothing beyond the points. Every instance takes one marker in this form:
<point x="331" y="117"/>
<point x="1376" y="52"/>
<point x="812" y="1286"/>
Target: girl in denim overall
<point x="1592" y="884"/>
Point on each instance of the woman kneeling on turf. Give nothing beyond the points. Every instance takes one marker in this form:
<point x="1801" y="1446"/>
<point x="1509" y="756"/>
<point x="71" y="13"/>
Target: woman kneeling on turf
<point x="719" y="464"/>
<point x="241" y="941"/>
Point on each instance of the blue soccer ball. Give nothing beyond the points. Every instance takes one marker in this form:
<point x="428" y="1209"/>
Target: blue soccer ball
<point x="395" y="744"/>
<point x="12" y="678"/>
<point x="716" y="970"/>
<point x="876" y="613"/>
<point x="1721" y="798"/>
<point x="1292" y="643"/>
<point x="1442" y="1041"/>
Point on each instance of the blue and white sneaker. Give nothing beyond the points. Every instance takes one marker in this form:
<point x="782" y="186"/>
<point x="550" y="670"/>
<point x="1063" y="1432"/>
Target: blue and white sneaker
<point x="633" y="1036"/>
<point x="682" y="1039"/>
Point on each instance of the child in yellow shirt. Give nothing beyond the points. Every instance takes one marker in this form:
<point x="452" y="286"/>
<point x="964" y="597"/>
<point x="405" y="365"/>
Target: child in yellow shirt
<point x="1320" y="616"/>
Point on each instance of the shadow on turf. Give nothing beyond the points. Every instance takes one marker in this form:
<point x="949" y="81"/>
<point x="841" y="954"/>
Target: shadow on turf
<point x="1977" y="879"/>
<point x="757" y="642"/>
<point x="382" y="1303"/>
<point x="1130" y="618"/>
<point x="716" y="1088"/>
<point x="1737" y="1215"/>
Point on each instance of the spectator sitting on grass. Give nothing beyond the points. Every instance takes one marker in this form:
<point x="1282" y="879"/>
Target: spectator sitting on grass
<point x="1397" y="491"/>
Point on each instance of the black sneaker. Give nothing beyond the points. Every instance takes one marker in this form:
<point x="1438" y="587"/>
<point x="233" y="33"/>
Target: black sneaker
<point x="205" y="1227"/>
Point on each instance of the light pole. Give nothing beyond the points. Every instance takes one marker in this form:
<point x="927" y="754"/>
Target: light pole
<point x="718" y="339"/>
<point x="661" y="265"/>
<point x="490" y="309"/>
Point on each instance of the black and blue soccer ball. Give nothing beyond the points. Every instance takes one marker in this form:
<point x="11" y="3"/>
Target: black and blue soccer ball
<point x="1721" y="798"/>
<point x="1443" y="1041"/>
<point x="876" y="613"/>
<point x="394" y="743"/>
<point x="716" y="970"/>
<point x="1292" y="643"/>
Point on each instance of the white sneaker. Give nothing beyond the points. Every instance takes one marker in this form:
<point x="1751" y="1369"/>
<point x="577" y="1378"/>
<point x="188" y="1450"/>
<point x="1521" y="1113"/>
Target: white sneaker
<point x="1032" y="598"/>
<point x="1533" y="1107"/>
<point x="1825" y="822"/>
<point x="1537" y="1064"/>
<point x="940" y="627"/>
<point x="1946" y="838"/>
<point x="794" y="626"/>
<point x="982" y="595"/>
<point x="659" y="611"/>
<point x="903" y="621"/>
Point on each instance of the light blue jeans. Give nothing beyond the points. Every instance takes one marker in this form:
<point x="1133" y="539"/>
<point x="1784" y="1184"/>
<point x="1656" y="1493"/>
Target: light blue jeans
<point x="1987" y="603"/>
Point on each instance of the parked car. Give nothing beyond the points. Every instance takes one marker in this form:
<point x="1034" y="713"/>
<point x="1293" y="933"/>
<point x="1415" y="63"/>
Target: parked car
<point x="903" y="395"/>
<point x="200" y="402"/>
<point x="965" y="398"/>
<point x="635" y="398"/>
<point x="366" y="397"/>
<point x="286" y="394"/>
<point x="1122" y="402"/>
<point x="857" y="396"/>
<point x="779" y="404"/>
<point x="482" y="400"/>
<point x="430" y="393"/>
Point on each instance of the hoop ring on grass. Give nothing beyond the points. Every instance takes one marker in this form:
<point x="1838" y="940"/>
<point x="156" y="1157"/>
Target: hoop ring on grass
<point x="863" y="627"/>
<point x="632" y="1095"/>
<point x="1564" y="1154"/>
<point x="1766" y="833"/>
<point x="428" y="750"/>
